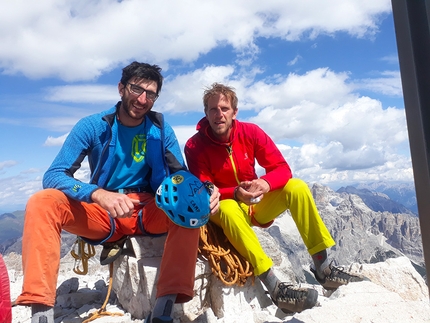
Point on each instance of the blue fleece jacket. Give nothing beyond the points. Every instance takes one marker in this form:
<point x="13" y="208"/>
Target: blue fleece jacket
<point x="95" y="136"/>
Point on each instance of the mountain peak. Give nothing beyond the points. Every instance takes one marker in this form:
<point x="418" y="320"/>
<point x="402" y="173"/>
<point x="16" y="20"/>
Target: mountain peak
<point x="7" y="215"/>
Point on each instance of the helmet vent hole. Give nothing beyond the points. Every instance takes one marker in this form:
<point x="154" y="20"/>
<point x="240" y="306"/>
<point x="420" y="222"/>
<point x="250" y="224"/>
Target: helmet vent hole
<point x="182" y="218"/>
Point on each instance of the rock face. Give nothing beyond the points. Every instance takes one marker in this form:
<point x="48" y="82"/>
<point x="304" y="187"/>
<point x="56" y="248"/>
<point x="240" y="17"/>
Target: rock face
<point x="214" y="302"/>
<point x="396" y="293"/>
<point x="382" y="246"/>
<point x="377" y="235"/>
<point x="137" y="295"/>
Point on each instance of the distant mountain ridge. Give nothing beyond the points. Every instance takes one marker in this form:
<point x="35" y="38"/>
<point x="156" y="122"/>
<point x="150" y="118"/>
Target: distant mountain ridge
<point x="377" y="201"/>
<point x="7" y="215"/>
<point x="11" y="225"/>
<point x="403" y="193"/>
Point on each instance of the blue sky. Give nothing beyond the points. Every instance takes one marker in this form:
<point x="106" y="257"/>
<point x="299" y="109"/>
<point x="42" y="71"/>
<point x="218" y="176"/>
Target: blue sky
<point x="321" y="77"/>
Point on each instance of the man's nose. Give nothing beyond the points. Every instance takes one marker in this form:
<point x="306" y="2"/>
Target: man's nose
<point x="218" y="112"/>
<point x="142" y="98"/>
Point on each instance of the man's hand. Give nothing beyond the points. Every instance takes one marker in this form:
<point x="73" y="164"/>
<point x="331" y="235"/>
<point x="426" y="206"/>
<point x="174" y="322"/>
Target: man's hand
<point x="214" y="200"/>
<point x="116" y="204"/>
<point x="250" y="190"/>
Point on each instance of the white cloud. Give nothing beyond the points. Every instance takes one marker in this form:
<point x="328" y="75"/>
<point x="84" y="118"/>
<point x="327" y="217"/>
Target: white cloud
<point x="58" y="141"/>
<point x="71" y="39"/>
<point x="312" y="164"/>
<point x="294" y="60"/>
<point x="31" y="171"/>
<point x="392" y="59"/>
<point x="83" y="93"/>
<point x="15" y="190"/>
<point x="183" y="133"/>
<point x="61" y="123"/>
<point x="183" y="93"/>
<point x="326" y="110"/>
<point x="333" y="133"/>
<point x="320" y="86"/>
<point x="332" y="128"/>
<point x="326" y="129"/>
<point x="7" y="163"/>
<point x="83" y="174"/>
<point x="336" y="133"/>
<point x="389" y="83"/>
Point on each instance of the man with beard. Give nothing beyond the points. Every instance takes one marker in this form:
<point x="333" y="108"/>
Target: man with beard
<point x="224" y="151"/>
<point x="130" y="151"/>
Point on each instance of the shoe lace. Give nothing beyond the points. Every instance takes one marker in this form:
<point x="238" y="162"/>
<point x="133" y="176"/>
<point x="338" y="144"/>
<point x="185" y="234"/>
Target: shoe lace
<point x="289" y="292"/>
<point x="341" y="274"/>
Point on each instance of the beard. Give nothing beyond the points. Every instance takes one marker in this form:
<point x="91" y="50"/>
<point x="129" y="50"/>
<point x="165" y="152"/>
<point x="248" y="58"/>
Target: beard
<point x="128" y="109"/>
<point x="133" y="112"/>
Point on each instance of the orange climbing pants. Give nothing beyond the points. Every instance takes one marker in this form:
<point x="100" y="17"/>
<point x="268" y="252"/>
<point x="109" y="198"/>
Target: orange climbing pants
<point x="50" y="211"/>
<point x="236" y="220"/>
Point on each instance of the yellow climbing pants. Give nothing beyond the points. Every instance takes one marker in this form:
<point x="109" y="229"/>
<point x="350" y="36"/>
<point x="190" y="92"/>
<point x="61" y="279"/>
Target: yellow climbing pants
<point x="235" y="218"/>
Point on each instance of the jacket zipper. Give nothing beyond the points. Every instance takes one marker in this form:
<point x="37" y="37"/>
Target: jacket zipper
<point x="95" y="177"/>
<point x="230" y="156"/>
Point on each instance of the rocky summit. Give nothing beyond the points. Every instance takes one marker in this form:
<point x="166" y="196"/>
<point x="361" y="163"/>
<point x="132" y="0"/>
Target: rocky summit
<point x="385" y="247"/>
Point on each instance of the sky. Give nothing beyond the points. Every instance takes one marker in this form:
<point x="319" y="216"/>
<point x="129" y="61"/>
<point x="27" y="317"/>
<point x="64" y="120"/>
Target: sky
<point x="320" y="77"/>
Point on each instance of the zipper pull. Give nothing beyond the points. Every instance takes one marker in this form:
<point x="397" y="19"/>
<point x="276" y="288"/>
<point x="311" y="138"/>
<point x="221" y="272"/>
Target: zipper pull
<point x="229" y="150"/>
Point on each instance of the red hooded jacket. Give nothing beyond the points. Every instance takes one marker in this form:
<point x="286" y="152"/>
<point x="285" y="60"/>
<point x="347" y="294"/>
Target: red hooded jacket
<point x="228" y="164"/>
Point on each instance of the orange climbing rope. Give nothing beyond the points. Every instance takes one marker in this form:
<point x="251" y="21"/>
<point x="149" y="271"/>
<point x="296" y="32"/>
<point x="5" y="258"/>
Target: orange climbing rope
<point x="226" y="263"/>
<point x="82" y="252"/>
<point x="102" y="311"/>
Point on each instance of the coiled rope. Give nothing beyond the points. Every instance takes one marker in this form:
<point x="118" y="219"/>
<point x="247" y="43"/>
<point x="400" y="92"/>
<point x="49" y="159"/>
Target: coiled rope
<point x="226" y="263"/>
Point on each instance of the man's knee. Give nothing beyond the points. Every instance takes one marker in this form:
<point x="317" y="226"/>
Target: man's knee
<point x="296" y="186"/>
<point x="229" y="212"/>
<point x="45" y="197"/>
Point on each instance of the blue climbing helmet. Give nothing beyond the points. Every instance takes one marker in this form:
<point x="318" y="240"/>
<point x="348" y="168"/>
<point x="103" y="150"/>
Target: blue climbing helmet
<point x="185" y="199"/>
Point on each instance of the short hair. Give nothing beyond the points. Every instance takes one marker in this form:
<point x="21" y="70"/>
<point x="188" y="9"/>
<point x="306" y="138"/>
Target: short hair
<point x="218" y="88"/>
<point x="142" y="71"/>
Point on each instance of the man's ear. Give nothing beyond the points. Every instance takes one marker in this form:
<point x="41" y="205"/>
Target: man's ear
<point x="121" y="89"/>
<point x="235" y="114"/>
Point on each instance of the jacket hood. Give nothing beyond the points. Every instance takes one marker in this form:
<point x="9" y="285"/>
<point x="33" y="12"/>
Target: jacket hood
<point x="202" y="124"/>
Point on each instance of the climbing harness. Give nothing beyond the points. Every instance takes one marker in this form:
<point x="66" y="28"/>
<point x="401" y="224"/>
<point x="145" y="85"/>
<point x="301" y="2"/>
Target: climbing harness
<point x="81" y="255"/>
<point x="226" y="263"/>
<point x="82" y="252"/>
